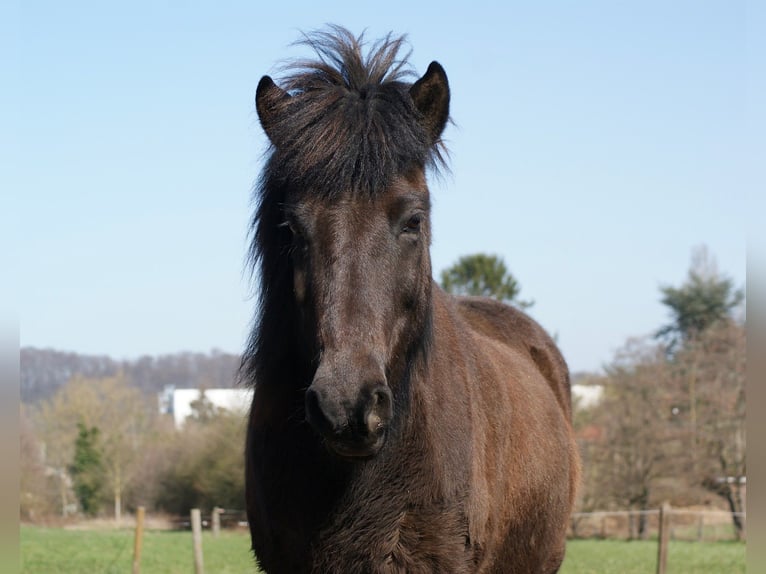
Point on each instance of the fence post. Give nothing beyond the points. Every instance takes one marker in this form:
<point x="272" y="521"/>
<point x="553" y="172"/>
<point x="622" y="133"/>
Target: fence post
<point x="138" y="540"/>
<point x="216" y="521"/>
<point x="602" y="528"/>
<point x="196" y="521"/>
<point x="663" y="535"/>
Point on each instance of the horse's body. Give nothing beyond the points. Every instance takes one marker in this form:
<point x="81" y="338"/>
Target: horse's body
<point x="394" y="428"/>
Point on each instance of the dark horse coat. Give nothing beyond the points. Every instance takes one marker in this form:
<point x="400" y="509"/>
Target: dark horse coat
<point x="394" y="428"/>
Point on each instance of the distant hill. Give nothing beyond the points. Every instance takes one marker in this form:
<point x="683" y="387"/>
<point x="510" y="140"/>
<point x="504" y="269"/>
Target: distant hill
<point x="43" y="371"/>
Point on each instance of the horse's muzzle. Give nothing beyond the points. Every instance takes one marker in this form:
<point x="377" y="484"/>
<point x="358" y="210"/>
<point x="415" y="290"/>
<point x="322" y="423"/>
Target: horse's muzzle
<point x="350" y="427"/>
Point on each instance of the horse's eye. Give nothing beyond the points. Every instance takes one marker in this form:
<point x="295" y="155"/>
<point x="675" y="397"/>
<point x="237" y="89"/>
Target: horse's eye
<point x="294" y="229"/>
<point x="413" y="224"/>
<point x="299" y="245"/>
<point x="287" y="224"/>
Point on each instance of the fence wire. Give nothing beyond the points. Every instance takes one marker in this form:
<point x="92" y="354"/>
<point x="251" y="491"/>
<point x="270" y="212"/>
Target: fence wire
<point x="684" y="524"/>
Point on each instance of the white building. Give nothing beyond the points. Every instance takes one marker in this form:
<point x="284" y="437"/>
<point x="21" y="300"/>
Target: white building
<point x="177" y="402"/>
<point x="587" y="395"/>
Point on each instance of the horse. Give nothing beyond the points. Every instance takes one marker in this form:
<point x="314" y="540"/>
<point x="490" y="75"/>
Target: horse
<point x="393" y="427"/>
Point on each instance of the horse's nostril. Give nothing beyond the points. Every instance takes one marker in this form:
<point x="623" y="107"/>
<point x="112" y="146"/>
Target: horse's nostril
<point x="379" y="411"/>
<point x="374" y="423"/>
<point x="316" y="415"/>
<point x="312" y="404"/>
<point x="382" y="401"/>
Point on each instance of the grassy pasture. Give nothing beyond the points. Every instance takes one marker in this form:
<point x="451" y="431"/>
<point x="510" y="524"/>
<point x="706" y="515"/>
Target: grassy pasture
<point x="56" y="550"/>
<point x="60" y="551"/>
<point x="640" y="557"/>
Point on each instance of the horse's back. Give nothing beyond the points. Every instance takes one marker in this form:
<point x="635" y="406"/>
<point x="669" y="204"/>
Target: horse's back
<point x="517" y="330"/>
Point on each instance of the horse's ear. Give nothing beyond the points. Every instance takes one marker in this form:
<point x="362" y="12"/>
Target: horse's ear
<point x="431" y="96"/>
<point x="270" y="101"/>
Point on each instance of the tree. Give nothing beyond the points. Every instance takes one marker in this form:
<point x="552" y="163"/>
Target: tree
<point x="707" y="351"/>
<point x="40" y="495"/>
<point x="706" y="298"/>
<point x="202" y="409"/>
<point x="203" y="466"/>
<point x="122" y="415"/>
<point x="670" y="427"/>
<point x="638" y="443"/>
<point x="87" y="470"/>
<point x="483" y="275"/>
<point x="710" y="379"/>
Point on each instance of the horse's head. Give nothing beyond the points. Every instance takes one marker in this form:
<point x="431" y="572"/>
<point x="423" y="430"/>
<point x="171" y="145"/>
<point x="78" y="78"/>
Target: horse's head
<point x="350" y="209"/>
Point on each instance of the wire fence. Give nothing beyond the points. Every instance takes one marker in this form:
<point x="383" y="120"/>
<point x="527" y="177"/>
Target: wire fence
<point x="683" y="524"/>
<point x="228" y="519"/>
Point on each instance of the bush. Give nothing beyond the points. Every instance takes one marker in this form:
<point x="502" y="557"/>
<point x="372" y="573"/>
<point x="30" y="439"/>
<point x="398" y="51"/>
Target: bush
<point x="204" y="466"/>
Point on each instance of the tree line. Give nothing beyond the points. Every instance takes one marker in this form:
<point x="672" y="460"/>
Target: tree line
<point x="100" y="447"/>
<point x="44" y="371"/>
<point x="670" y="425"/>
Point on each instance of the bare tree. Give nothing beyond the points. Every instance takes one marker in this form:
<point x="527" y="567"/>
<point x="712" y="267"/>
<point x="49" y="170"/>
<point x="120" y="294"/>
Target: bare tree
<point x="710" y="377"/>
<point x="40" y="493"/>
<point x="120" y="412"/>
<point x="668" y="427"/>
<point x="638" y="442"/>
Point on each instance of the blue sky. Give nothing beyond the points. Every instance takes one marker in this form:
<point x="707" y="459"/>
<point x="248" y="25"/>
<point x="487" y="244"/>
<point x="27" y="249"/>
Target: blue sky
<point x="595" y="144"/>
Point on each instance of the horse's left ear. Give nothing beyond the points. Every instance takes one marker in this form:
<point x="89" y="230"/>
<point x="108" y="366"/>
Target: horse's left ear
<point x="270" y="101"/>
<point x="431" y="97"/>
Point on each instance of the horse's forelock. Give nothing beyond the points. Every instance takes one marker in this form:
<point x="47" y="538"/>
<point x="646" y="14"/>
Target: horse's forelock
<point x="341" y="60"/>
<point x="350" y="124"/>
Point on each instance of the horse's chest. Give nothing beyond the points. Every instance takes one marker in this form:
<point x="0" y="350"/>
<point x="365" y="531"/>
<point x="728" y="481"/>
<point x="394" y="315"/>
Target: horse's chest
<point x="419" y="539"/>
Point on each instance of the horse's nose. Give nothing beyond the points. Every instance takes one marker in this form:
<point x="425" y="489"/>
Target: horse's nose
<point x="367" y="413"/>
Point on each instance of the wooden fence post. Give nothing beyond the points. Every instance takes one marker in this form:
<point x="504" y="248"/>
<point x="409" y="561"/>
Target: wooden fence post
<point x="663" y="536"/>
<point x="138" y="540"/>
<point x="216" y="521"/>
<point x="196" y="521"/>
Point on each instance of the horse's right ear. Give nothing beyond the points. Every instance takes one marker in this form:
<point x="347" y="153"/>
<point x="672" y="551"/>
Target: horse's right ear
<point x="270" y="101"/>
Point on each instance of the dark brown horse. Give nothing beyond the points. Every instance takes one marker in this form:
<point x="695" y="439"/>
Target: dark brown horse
<point x="394" y="428"/>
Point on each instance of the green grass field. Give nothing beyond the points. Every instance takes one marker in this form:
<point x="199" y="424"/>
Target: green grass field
<point x="54" y="551"/>
<point x="640" y="557"/>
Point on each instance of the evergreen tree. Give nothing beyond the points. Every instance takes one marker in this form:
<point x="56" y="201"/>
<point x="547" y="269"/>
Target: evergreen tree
<point x="87" y="469"/>
<point x="705" y="299"/>
<point x="483" y="275"/>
